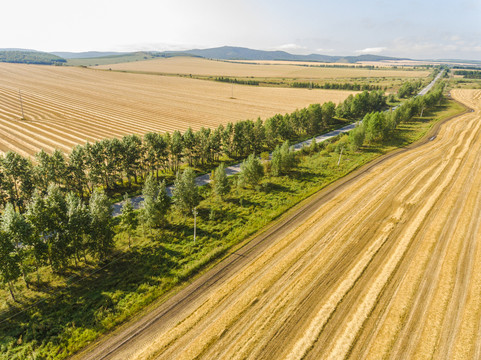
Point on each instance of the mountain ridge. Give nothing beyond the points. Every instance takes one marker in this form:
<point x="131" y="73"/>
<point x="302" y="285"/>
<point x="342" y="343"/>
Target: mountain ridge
<point x="220" y="53"/>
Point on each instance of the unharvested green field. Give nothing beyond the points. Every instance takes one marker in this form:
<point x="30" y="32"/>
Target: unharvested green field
<point x="57" y="317"/>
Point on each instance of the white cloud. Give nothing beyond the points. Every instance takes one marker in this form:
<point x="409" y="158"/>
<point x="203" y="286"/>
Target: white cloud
<point x="320" y="50"/>
<point x="373" y="50"/>
<point x="291" y="47"/>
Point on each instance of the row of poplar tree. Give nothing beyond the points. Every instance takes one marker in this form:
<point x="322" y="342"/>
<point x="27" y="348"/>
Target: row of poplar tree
<point x="380" y="126"/>
<point x="57" y="228"/>
<point x="54" y="229"/>
<point x="54" y="212"/>
<point x="108" y="163"/>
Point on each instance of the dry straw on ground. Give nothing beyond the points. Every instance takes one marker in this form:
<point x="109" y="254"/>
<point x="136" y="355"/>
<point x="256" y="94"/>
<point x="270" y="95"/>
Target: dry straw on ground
<point x="387" y="268"/>
<point x="65" y="106"/>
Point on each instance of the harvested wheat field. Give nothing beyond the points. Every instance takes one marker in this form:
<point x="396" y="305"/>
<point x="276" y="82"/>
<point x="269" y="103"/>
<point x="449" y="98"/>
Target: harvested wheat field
<point x="65" y="106"/>
<point x="384" y="265"/>
<point x="204" y="67"/>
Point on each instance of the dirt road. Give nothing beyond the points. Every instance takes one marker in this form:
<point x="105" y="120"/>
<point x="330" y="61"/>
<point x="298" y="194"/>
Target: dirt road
<point x="386" y="264"/>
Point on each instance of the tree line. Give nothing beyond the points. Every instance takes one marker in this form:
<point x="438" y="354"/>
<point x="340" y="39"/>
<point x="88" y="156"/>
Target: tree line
<point x="237" y="81"/>
<point x="30" y="57"/>
<point x="58" y="225"/>
<point x="465" y="67"/>
<point x="337" y="86"/>
<point x="54" y="213"/>
<point x="468" y="74"/>
<point x="118" y="163"/>
<point x="380" y="126"/>
<point x="409" y="88"/>
<point x="54" y="229"/>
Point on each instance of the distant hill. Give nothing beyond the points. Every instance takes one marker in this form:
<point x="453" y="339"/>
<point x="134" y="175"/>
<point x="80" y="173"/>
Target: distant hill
<point x="240" y="53"/>
<point x="122" y="58"/>
<point x="86" y="54"/>
<point x="221" y="53"/>
<point x="29" y="57"/>
<point x="92" y="58"/>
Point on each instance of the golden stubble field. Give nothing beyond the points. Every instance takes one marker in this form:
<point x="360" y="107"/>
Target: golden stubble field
<point x="205" y="67"/>
<point x="65" y="106"/>
<point x="389" y="267"/>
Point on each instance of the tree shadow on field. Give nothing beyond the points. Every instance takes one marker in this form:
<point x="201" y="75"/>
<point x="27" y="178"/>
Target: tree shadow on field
<point x="276" y="188"/>
<point x="187" y="229"/>
<point x="304" y="175"/>
<point x="242" y="202"/>
<point x="373" y="150"/>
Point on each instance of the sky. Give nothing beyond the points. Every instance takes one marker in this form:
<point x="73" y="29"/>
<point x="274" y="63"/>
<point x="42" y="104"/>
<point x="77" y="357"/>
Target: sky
<point x="422" y="29"/>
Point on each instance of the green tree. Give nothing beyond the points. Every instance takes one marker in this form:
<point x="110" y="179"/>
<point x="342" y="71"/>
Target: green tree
<point x="18" y="179"/>
<point x="77" y="171"/>
<point x="59" y="247"/>
<point x="314" y="146"/>
<point x="156" y="203"/>
<point x="113" y="153"/>
<point x="328" y="112"/>
<point x="37" y="215"/>
<point x="375" y="125"/>
<point x="128" y="218"/>
<point x="94" y="159"/>
<point x="176" y="147"/>
<point x="227" y="135"/>
<point x="19" y="233"/>
<point x="259" y="136"/>
<point x="189" y="143"/>
<point x="343" y="110"/>
<point x="220" y="184"/>
<point x="283" y="159"/>
<point x="356" y="137"/>
<point x="271" y="126"/>
<point x="132" y="155"/>
<point x="203" y="143"/>
<point x="315" y="119"/>
<point x="238" y="139"/>
<point x="50" y="169"/>
<point x="41" y="170"/>
<point x="185" y="193"/>
<point x="58" y="170"/>
<point x="406" y="90"/>
<point x="101" y="233"/>
<point x="284" y="127"/>
<point x="252" y="171"/>
<point x="78" y="225"/>
<point x="9" y="262"/>
<point x="215" y="141"/>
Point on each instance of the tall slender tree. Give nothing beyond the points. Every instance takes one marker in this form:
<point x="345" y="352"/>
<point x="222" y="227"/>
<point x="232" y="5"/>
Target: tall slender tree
<point x="220" y="184"/>
<point x="101" y="232"/>
<point x="19" y="232"/>
<point x="128" y="218"/>
<point x="77" y="227"/>
<point x="185" y="193"/>
<point x="252" y="171"/>
<point x="9" y="263"/>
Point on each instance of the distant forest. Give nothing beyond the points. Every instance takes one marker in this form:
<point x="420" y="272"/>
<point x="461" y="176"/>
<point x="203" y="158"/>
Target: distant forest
<point x="30" y="57"/>
<point x="468" y="74"/>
